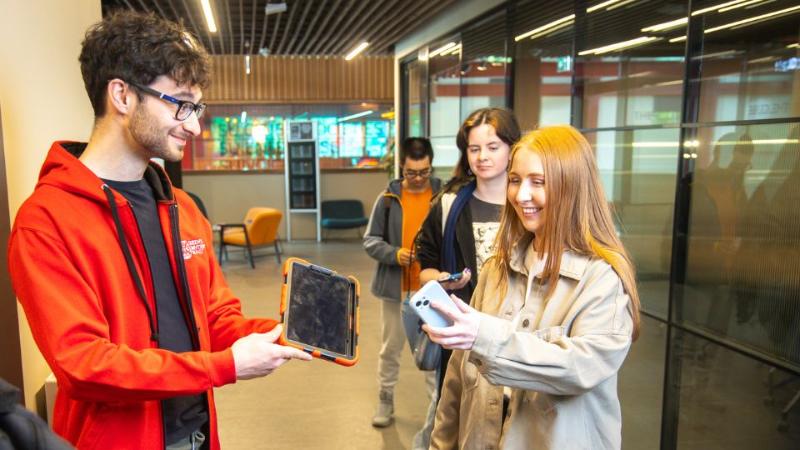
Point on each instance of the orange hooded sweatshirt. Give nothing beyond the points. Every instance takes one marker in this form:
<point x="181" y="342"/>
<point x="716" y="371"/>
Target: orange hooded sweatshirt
<point x="80" y="271"/>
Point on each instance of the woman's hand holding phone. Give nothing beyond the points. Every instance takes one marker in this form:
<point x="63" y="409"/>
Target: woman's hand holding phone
<point x="462" y="334"/>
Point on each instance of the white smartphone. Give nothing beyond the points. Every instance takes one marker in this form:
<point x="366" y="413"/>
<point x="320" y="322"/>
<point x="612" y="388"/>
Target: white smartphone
<point x="421" y="304"/>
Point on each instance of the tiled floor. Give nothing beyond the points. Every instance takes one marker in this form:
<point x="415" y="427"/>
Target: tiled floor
<point x="320" y="405"/>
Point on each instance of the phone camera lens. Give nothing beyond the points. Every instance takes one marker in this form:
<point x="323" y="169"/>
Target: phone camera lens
<point x="425" y="303"/>
<point x="418" y="304"/>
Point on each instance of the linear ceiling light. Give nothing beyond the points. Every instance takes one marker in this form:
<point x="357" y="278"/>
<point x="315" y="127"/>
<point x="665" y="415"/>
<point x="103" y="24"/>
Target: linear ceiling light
<point x="451" y="51"/>
<point x="677" y="39"/>
<point x="620" y="46"/>
<point x="750" y="20"/>
<point x="684" y="20"/>
<point x="274" y="8"/>
<point x="441" y="49"/>
<point x="553" y="30"/>
<point x="739" y="5"/>
<point x="534" y="32"/>
<point x="716" y="7"/>
<point x="355" y="116"/>
<point x="718" y="54"/>
<point x="667" y="25"/>
<point x="360" y="48"/>
<point x="212" y="25"/>
<point x="795" y="45"/>
<point x="761" y="60"/>
<point x="601" y="5"/>
<point x="618" y="5"/>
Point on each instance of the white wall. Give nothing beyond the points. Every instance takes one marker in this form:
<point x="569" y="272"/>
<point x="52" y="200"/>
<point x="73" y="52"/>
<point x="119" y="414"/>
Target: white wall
<point x="43" y="99"/>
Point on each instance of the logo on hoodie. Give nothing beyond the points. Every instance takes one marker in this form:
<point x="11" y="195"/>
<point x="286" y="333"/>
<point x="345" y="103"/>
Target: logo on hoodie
<point x="193" y="247"/>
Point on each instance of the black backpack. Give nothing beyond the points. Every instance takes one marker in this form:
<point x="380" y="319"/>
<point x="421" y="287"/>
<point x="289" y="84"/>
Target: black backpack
<point x="22" y="429"/>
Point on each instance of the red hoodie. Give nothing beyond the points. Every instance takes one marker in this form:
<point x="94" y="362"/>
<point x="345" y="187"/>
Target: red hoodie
<point x="80" y="271"/>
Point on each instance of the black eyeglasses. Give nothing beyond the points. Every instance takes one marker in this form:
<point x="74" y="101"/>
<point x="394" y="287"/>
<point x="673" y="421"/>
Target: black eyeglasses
<point x="424" y="173"/>
<point x="185" y="108"/>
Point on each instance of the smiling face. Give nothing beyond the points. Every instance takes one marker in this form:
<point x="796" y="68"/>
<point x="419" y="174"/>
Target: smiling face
<point x="487" y="154"/>
<point x="526" y="190"/>
<point x="153" y="125"/>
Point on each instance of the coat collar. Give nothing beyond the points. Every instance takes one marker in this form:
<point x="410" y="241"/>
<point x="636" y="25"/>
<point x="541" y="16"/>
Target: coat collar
<point x="523" y="256"/>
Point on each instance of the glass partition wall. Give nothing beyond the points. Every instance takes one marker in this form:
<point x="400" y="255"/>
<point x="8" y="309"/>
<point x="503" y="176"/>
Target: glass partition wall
<point x="693" y="109"/>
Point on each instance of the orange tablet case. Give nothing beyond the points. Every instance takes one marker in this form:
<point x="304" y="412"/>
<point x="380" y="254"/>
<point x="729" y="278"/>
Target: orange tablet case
<point x="315" y="352"/>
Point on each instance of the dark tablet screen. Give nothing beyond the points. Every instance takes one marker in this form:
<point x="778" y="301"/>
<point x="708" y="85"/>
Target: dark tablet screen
<point x="319" y="310"/>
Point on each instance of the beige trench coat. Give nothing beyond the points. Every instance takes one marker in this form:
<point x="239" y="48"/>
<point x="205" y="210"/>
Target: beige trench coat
<point x="559" y="358"/>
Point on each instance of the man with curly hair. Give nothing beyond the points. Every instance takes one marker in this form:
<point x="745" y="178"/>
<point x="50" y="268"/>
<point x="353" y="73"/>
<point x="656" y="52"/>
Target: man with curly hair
<point x="114" y="266"/>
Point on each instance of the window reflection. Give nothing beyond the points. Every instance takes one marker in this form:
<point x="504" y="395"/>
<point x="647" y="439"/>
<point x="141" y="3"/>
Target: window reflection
<point x="750" y="61"/>
<point x="632" y="73"/>
<point x="638" y="170"/>
<point x="641" y="380"/>
<point x="444" y="61"/>
<point x="743" y="279"/>
<point x="484" y="62"/>
<point x="730" y="401"/>
<point x="416" y="98"/>
<point x="543" y="69"/>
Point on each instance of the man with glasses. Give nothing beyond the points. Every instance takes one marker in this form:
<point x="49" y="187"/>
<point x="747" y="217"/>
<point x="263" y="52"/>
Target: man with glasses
<point x="113" y="265"/>
<point x="396" y="217"/>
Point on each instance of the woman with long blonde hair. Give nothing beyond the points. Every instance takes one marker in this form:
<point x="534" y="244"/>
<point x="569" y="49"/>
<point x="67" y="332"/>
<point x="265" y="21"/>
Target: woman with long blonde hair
<point x="553" y="315"/>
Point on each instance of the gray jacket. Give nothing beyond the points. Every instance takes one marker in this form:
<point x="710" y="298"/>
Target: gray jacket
<point x="560" y="358"/>
<point x="383" y="239"/>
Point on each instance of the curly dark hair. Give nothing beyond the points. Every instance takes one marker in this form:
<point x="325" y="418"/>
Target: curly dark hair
<point x="138" y="48"/>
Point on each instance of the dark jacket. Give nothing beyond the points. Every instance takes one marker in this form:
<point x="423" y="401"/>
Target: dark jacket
<point x="384" y="237"/>
<point x="22" y="429"/>
<point x="429" y="243"/>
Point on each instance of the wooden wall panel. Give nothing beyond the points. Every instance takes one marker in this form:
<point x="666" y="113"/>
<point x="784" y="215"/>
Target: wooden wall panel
<point x="307" y="79"/>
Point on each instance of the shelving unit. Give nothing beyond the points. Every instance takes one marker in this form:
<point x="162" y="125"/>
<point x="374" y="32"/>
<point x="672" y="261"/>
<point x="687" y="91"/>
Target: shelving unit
<point x="302" y="173"/>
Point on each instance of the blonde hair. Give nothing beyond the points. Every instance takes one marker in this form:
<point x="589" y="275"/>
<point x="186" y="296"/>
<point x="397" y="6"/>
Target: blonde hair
<point x="577" y="216"/>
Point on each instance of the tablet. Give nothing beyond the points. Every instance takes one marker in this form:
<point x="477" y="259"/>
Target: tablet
<point x="319" y="311"/>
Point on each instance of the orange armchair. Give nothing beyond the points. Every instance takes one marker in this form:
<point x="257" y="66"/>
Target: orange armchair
<point x="260" y="228"/>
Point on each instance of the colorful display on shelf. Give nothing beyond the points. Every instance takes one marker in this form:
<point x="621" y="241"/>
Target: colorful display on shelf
<point x="377" y="136"/>
<point x="246" y="142"/>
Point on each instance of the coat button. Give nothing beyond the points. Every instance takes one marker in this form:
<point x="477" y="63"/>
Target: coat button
<point x="525" y="323"/>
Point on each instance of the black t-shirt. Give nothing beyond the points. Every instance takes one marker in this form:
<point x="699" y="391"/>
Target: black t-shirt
<point x="184" y="414"/>
<point x="485" y="225"/>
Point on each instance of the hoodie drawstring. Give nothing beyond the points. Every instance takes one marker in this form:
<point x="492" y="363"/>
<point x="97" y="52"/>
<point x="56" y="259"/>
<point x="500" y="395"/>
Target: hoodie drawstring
<point x="123" y="243"/>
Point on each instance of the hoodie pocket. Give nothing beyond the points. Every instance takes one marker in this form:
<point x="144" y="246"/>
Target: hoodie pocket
<point x="96" y="427"/>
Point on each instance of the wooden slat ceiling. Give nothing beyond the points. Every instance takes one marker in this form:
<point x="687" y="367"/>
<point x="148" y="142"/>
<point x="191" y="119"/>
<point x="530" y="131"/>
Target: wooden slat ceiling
<point x="307" y="27"/>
